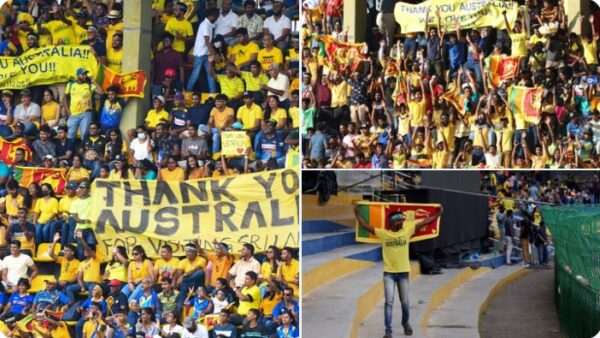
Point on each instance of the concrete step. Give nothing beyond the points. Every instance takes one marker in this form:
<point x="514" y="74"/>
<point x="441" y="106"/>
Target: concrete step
<point x="318" y="270"/>
<point x="329" y="311"/>
<point x="425" y="292"/>
<point x="459" y="315"/>
<point x="318" y="226"/>
<point x="346" y="302"/>
<point x="321" y="242"/>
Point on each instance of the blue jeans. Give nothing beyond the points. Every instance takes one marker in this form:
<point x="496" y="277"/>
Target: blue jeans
<point x="81" y="122"/>
<point x="391" y="280"/>
<point x="56" y="226"/>
<point x="195" y="280"/>
<point x="216" y="140"/>
<point x="30" y="129"/>
<point x="131" y="295"/>
<point x="5" y="131"/>
<point x="72" y="290"/>
<point x="42" y="233"/>
<point x="201" y="62"/>
<point x="476" y="67"/>
<point x="94" y="166"/>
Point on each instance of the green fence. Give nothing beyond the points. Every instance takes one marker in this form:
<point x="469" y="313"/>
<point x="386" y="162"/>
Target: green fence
<point x="576" y="235"/>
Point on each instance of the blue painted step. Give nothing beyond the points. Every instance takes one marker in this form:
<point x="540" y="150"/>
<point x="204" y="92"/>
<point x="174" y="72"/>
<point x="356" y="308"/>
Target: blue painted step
<point x="320" y="226"/>
<point x="321" y="242"/>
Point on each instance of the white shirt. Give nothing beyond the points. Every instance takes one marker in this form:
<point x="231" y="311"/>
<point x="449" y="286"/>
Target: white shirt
<point x="240" y="268"/>
<point x="276" y="27"/>
<point x="201" y="332"/>
<point x="206" y="29"/>
<point x="493" y="161"/>
<point x="280" y="83"/>
<point x="219" y="305"/>
<point x="17" y="267"/>
<point x="140" y="150"/>
<point x="175" y="329"/>
<point x="225" y="24"/>
<point x="23" y="113"/>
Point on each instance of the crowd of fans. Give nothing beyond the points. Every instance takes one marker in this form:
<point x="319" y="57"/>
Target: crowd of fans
<point x="214" y="70"/>
<point x="387" y="111"/>
<point x="517" y="221"/>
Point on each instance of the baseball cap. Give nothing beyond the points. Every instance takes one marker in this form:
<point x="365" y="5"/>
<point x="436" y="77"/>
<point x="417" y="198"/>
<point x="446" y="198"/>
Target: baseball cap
<point x="170" y="72"/>
<point x="72" y="185"/>
<point x="7" y="92"/>
<point x="81" y="71"/>
<point x="237" y="125"/>
<point x="248" y="95"/>
<point x="114" y="282"/>
<point x="84" y="185"/>
<point x="178" y="96"/>
<point x="20" y="125"/>
<point x="49" y="157"/>
<point x="160" y="98"/>
<point x="25" y="92"/>
<point x="114" y="14"/>
<point x="120" y="158"/>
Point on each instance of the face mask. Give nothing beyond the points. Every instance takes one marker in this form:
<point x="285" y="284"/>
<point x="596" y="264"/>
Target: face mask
<point x="44" y="193"/>
<point x="141" y="136"/>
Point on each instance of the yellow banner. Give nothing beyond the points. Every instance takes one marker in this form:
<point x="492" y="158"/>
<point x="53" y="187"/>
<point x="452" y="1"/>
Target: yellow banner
<point x="234" y="143"/>
<point x="45" y="66"/>
<point x="260" y="208"/>
<point x="470" y="14"/>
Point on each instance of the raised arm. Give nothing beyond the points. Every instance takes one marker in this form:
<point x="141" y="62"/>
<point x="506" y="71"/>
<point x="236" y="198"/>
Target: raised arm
<point x="361" y="220"/>
<point x="429" y="219"/>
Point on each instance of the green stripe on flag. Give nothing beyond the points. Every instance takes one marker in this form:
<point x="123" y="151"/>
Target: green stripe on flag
<point x="363" y="211"/>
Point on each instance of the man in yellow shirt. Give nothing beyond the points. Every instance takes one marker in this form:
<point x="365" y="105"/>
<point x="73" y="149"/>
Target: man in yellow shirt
<point x="190" y="272"/>
<point x="180" y="28"/>
<point x="114" y="54"/>
<point x="249" y="296"/>
<point x="166" y="266"/>
<point x="254" y="80"/>
<point x="221" y="117"/>
<point x="289" y="270"/>
<point x="59" y="27"/>
<point x="231" y="85"/>
<point x="69" y="265"/>
<point x="396" y="265"/>
<point x="157" y="115"/>
<point x="590" y="45"/>
<point x="244" y="51"/>
<point x="270" y="54"/>
<point x="115" y="25"/>
<point x="250" y="114"/>
<point x="81" y="211"/>
<point x="78" y="102"/>
<point x="64" y="207"/>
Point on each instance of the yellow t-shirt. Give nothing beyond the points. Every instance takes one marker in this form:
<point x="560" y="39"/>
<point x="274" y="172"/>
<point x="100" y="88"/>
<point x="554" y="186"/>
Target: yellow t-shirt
<point x="439" y="159"/>
<point x="507" y="138"/>
<point x="230" y="87"/>
<point x="448" y="134"/>
<point x="289" y="272"/>
<point x="90" y="268"/>
<point x="161" y="266"/>
<point x="279" y="114"/>
<point x="114" y="59"/>
<point x="245" y="306"/>
<point x="49" y="111"/>
<point x="538" y="162"/>
<point x="248" y="116"/>
<point x="395" y="247"/>
<point x="111" y="30"/>
<point x="266" y="58"/>
<point x="140" y="272"/>
<point x="77" y="174"/>
<point x="266" y="271"/>
<point x="22" y="36"/>
<point x="221" y="266"/>
<point x="158" y="5"/>
<point x="68" y="269"/>
<point x="13" y="204"/>
<point x="177" y="175"/>
<point x="417" y="111"/>
<point x="241" y="54"/>
<point x="188" y="266"/>
<point x="117" y="270"/>
<point x="292" y="55"/>
<point x="294" y="113"/>
<point x="220" y="117"/>
<point x="403" y="124"/>
<point x="268" y="305"/>
<point x="61" y="32"/>
<point x="90" y="327"/>
<point x="182" y="27"/>
<point x="518" y="43"/>
<point x="508" y="203"/>
<point x="535" y="39"/>
<point x="339" y="94"/>
<point x="480" y="138"/>
<point x="80" y="97"/>
<point x="590" y="52"/>
<point x="46" y="209"/>
<point x="154" y="118"/>
<point x="253" y="83"/>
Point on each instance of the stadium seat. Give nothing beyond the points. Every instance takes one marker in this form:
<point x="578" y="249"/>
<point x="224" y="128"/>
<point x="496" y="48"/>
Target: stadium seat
<point x="71" y="323"/>
<point x="38" y="284"/>
<point x="42" y="253"/>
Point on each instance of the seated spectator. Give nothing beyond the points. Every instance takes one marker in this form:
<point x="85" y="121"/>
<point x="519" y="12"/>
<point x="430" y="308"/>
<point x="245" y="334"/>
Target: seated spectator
<point x="190" y="272"/>
<point x="278" y="25"/>
<point x="138" y="270"/>
<point x="254" y="80"/>
<point x="250" y="114"/>
<point x="121" y="170"/>
<point x="251" y="327"/>
<point x="171" y="325"/>
<point x="231" y="85"/>
<point x="287" y="327"/>
<point x="224" y="328"/>
<point x="269" y="54"/>
<point x="172" y="172"/>
<point x="69" y="265"/>
<point x="287" y="304"/>
<point x="168" y="297"/>
<point x="28" y="113"/>
<point x="118" y="326"/>
<point x="269" y="144"/>
<point x="141" y="146"/>
<point x="288" y="272"/>
<point x="166" y="265"/>
<point x="193" y="329"/>
<point x="15" y="267"/>
<point x="221" y="117"/>
<point x="46" y="211"/>
<point x="118" y="266"/>
<point x="167" y="59"/>
<point x="50" y="111"/>
<point x="92" y="148"/>
<point x="200" y="304"/>
<point x="180" y="118"/>
<point x="50" y="299"/>
<point x="244" y="52"/>
<point x="167" y="145"/>
<point x="19" y="303"/>
<point x="251" y="21"/>
<point x="194" y="144"/>
<point x="279" y="85"/>
<point x="65" y="147"/>
<point x="145" y="304"/>
<point x="77" y="173"/>
<point x="157" y="115"/>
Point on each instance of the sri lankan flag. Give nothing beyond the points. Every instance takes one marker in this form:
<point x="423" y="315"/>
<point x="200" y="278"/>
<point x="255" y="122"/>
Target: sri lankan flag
<point x="131" y="84"/>
<point x="8" y="150"/>
<point x="503" y="68"/>
<point x="453" y="96"/>
<point x="526" y="103"/>
<point x="55" y="176"/>
<point x="292" y="159"/>
<point x="377" y="213"/>
<point x="343" y="54"/>
<point x="209" y="321"/>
